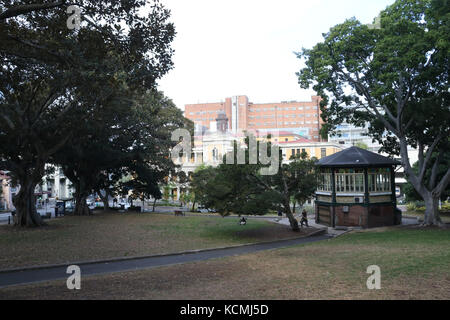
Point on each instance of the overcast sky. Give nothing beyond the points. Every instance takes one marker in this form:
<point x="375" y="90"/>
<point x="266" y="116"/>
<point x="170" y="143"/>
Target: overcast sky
<point x="246" y="47"/>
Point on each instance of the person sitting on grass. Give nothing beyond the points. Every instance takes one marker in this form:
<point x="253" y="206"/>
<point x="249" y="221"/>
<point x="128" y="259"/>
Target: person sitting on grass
<point x="243" y="221"/>
<point x="304" y="218"/>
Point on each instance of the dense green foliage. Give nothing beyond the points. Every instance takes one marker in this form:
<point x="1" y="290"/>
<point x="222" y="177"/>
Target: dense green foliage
<point x="411" y="193"/>
<point x="86" y="98"/>
<point x="395" y="80"/>
<point x="242" y="189"/>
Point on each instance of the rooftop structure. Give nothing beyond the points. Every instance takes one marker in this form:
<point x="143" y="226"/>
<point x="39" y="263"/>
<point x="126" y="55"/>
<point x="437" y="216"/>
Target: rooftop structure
<point x="357" y="189"/>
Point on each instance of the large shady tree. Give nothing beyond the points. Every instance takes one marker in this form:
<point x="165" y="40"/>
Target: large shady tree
<point x="242" y="189"/>
<point x="133" y="141"/>
<point x="53" y="77"/>
<point x="395" y="78"/>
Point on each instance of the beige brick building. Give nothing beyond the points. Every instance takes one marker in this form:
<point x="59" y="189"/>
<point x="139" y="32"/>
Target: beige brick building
<point x="301" y="118"/>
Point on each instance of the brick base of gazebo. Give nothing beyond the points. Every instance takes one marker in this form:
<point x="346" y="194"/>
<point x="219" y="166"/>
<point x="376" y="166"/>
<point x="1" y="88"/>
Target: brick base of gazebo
<point x="357" y="216"/>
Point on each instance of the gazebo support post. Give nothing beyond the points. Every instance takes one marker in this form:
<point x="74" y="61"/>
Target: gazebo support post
<point x="366" y="195"/>
<point x="333" y="198"/>
<point x="394" y="196"/>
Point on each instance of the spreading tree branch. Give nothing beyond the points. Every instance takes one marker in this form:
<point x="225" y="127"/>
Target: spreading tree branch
<point x="27" y="8"/>
<point x="424" y="162"/>
<point x="443" y="184"/>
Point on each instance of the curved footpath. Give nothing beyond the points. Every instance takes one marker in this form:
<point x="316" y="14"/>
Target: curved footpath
<point x="47" y="273"/>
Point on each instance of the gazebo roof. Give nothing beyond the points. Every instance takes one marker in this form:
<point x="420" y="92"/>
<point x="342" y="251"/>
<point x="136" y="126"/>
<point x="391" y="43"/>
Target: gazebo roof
<point x="356" y="157"/>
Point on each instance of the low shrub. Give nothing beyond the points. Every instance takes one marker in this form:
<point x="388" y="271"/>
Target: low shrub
<point x="411" y="206"/>
<point x="420" y="209"/>
<point x="420" y="204"/>
<point x="446" y="207"/>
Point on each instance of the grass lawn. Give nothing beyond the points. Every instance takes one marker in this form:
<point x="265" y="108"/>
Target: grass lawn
<point x="110" y="235"/>
<point x="415" y="264"/>
<point x="205" y="214"/>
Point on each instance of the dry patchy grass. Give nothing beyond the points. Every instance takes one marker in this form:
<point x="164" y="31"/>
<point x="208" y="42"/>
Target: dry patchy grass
<point x="414" y="264"/>
<point x="110" y="235"/>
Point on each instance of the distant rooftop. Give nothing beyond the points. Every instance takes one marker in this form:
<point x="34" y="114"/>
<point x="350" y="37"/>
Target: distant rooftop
<point x="356" y="157"/>
<point x="300" y="140"/>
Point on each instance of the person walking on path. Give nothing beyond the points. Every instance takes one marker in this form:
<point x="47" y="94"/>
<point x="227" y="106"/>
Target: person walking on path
<point x="304" y="218"/>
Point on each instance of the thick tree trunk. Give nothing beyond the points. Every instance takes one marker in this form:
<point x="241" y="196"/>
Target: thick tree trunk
<point x="24" y="201"/>
<point x="193" y="206"/>
<point x="431" y="198"/>
<point x="154" y="204"/>
<point x="82" y="191"/>
<point x="290" y="216"/>
<point x="81" y="207"/>
<point x="104" y="198"/>
<point x="432" y="216"/>
<point x="105" y="203"/>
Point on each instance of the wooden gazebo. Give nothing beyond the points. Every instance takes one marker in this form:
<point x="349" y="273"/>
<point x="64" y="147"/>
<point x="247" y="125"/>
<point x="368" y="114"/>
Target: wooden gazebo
<point x="357" y="189"/>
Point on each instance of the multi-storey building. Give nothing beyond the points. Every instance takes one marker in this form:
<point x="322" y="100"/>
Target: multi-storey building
<point x="350" y="135"/>
<point x="210" y="148"/>
<point x="6" y="192"/>
<point x="301" y="118"/>
<point x="53" y="186"/>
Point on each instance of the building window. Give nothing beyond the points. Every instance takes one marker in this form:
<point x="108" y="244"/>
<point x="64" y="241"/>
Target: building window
<point x="325" y="181"/>
<point x="349" y="180"/>
<point x="323" y="152"/>
<point x="359" y="183"/>
<point x="215" y="154"/>
<point x="379" y="180"/>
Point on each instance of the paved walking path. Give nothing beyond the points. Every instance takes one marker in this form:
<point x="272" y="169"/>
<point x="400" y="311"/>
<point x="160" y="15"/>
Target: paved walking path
<point x="59" y="272"/>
